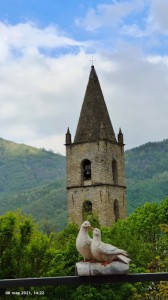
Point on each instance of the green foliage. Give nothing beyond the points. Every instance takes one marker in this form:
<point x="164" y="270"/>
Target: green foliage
<point x="24" y="250"/>
<point x="30" y="178"/>
<point x="23" y="167"/>
<point x="93" y="219"/>
<point x="27" y="252"/>
<point x="34" y="202"/>
<point x="141" y="233"/>
<point x="103" y="292"/>
<point x="144" y="237"/>
<point x="26" y="176"/>
<point x="147" y="160"/>
<point x="146" y="174"/>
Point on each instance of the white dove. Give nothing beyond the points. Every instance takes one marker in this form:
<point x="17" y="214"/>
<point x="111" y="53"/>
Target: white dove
<point x="105" y="252"/>
<point x="83" y="241"/>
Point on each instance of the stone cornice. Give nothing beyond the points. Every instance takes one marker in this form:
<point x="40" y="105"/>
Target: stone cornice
<point x="95" y="185"/>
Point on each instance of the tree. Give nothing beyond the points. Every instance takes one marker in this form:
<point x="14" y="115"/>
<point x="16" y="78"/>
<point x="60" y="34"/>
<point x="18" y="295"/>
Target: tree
<point x="24" y="250"/>
<point x="27" y="252"/>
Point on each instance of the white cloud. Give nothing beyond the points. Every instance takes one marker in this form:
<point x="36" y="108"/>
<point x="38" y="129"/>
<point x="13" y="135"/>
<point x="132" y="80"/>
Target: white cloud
<point x="106" y="15"/>
<point x="133" y="30"/>
<point x="37" y="90"/>
<point x="28" y="39"/>
<point x="158" y="17"/>
<point x="139" y="19"/>
<point x="55" y="143"/>
<point x="136" y="94"/>
<point x="42" y="95"/>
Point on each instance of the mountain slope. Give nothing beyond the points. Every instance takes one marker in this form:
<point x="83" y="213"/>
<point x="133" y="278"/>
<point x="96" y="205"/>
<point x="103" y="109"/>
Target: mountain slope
<point x="34" y="180"/>
<point x="47" y="203"/>
<point x="146" y="174"/>
<point x="23" y="167"/>
<point x="147" y="160"/>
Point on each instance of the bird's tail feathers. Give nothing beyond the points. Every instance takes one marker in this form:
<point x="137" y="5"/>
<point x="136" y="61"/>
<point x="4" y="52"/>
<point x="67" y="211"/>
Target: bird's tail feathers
<point x="123" y="259"/>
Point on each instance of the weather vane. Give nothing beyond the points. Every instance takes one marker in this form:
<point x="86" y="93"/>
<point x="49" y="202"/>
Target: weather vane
<point x="92" y="60"/>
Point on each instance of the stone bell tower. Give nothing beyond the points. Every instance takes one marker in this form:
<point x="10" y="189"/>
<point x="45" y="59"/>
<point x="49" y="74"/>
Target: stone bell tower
<point x="95" y="162"/>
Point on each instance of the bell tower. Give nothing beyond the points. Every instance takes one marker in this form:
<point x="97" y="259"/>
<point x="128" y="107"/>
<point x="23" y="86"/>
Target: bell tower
<point x="95" y="162"/>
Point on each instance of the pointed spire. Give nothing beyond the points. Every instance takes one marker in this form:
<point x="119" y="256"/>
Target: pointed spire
<point x="120" y="138"/>
<point x="93" y="114"/>
<point x="68" y="137"/>
<point x="93" y="74"/>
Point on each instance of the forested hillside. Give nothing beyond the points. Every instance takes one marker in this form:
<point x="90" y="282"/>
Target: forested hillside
<point x="146" y="174"/>
<point x="47" y="204"/>
<point x="34" y="180"/>
<point x="23" y="167"/>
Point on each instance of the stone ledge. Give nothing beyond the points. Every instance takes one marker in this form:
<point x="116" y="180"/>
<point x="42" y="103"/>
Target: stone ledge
<point x="95" y="269"/>
<point x="95" y="185"/>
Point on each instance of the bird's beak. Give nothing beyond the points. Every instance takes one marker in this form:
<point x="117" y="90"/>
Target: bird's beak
<point x="91" y="228"/>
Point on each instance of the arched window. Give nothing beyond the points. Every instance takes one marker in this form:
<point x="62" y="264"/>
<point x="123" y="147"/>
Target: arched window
<point x="86" y="169"/>
<point x="116" y="210"/>
<point x="87" y="209"/>
<point x="115" y="171"/>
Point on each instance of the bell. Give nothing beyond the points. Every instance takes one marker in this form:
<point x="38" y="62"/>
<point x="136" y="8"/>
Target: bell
<point x="87" y="172"/>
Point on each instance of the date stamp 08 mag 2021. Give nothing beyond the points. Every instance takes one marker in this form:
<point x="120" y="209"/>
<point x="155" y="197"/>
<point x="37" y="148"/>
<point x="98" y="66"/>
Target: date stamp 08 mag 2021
<point x="24" y="293"/>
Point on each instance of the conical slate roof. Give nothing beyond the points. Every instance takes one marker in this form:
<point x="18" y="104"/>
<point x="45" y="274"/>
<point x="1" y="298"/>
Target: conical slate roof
<point x="93" y="114"/>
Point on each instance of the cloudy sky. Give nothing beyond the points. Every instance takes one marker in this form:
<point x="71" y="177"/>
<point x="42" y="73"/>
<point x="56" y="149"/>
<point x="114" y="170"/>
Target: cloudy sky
<point x="46" y="47"/>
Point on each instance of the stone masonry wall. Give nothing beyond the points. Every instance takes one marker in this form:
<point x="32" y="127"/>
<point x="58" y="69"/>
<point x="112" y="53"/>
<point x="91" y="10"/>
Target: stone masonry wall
<point x="100" y="190"/>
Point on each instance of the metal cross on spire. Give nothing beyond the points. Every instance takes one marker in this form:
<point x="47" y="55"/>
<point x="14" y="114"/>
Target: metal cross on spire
<point x="92" y="60"/>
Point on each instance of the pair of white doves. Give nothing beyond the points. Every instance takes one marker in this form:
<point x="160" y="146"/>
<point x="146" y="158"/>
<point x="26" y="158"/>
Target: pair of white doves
<point x="95" y="250"/>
